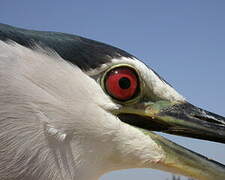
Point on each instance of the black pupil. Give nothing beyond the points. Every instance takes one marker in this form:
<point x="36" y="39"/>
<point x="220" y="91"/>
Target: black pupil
<point x="124" y="83"/>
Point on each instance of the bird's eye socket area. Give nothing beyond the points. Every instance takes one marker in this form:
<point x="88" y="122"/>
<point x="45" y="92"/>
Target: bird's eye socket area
<point x="122" y="83"/>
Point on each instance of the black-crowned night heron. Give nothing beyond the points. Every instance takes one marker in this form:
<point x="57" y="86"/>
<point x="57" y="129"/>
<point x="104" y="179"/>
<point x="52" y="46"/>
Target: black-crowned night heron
<point x="73" y="109"/>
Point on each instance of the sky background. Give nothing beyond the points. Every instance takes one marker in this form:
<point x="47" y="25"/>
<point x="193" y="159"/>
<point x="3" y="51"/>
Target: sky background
<point x="184" y="41"/>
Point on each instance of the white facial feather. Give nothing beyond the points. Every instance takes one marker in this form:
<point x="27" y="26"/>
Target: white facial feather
<point x="55" y="122"/>
<point x="154" y="84"/>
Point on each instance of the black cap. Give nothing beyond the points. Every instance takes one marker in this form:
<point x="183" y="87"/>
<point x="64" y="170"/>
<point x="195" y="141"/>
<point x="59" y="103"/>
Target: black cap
<point x="85" y="53"/>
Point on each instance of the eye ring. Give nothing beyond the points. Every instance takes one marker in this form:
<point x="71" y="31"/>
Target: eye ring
<point x="127" y="85"/>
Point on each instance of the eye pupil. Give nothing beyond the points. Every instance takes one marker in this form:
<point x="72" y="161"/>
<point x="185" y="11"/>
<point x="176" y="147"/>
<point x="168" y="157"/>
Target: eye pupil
<point x="124" y="83"/>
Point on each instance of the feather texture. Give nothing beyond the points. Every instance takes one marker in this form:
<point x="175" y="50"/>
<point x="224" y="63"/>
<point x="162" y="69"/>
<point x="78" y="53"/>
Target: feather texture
<point x="55" y="121"/>
<point x="41" y="97"/>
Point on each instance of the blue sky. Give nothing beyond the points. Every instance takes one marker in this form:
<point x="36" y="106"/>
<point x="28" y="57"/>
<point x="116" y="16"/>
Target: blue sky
<point x="184" y="41"/>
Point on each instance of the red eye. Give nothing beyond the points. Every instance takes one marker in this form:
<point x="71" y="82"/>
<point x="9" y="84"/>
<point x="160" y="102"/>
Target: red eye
<point x="122" y="83"/>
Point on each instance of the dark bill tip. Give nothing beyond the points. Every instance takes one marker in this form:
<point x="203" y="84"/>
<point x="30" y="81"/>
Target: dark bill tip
<point x="188" y="120"/>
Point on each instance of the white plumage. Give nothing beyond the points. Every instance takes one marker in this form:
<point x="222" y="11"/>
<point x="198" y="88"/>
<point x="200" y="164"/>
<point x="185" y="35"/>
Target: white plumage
<point x="55" y="122"/>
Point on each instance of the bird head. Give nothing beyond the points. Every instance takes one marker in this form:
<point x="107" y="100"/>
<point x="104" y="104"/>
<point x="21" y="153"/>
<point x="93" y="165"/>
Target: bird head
<point x="74" y="108"/>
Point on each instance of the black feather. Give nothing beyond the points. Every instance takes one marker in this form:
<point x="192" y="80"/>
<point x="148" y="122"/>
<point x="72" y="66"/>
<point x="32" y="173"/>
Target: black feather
<point x="85" y="53"/>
